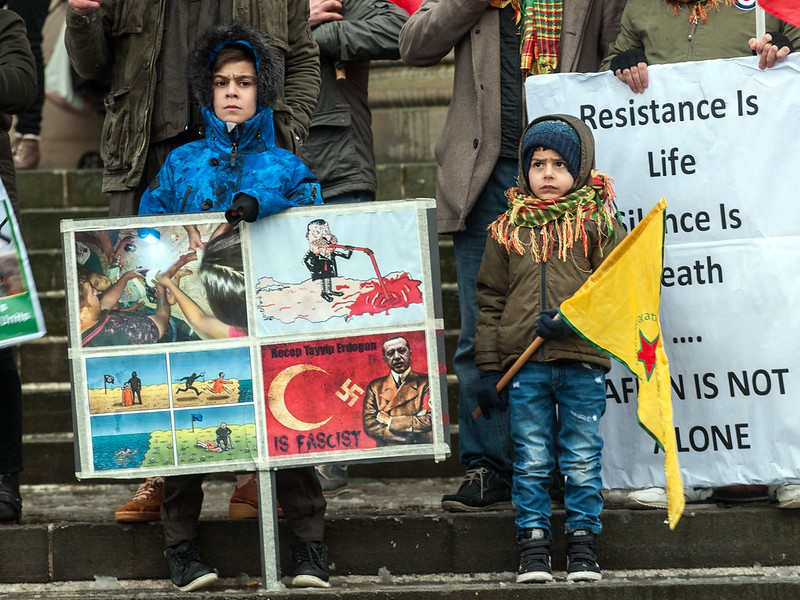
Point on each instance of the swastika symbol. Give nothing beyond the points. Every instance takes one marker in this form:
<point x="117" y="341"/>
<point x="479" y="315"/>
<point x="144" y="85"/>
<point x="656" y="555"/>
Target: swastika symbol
<point x="349" y="391"/>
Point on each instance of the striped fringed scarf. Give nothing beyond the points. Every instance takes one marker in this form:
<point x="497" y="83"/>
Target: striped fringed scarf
<point x="561" y="222"/>
<point x="539" y="23"/>
<point x="699" y="10"/>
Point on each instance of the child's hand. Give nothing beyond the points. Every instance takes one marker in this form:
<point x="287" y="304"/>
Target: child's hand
<point x="551" y="326"/>
<point x="489" y="398"/>
<point x="134" y="274"/>
<point x="162" y="280"/>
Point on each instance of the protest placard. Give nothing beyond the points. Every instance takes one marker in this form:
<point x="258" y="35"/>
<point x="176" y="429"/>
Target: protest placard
<point x="715" y="138"/>
<point x="264" y="348"/>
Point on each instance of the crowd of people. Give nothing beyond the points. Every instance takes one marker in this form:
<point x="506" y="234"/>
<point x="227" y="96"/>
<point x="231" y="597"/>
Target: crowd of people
<point x="273" y="114"/>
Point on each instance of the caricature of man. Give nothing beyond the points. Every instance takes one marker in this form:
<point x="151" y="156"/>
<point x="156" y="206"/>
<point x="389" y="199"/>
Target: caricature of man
<point x="320" y="259"/>
<point x="223" y="435"/>
<point x="136" y="387"/>
<point x="396" y="407"/>
<point x="190" y="379"/>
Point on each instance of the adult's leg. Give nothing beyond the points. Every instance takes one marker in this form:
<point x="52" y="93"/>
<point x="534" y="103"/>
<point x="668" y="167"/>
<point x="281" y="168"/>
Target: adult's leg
<point x="34" y="13"/>
<point x="10" y="414"/>
<point x="482" y="442"/>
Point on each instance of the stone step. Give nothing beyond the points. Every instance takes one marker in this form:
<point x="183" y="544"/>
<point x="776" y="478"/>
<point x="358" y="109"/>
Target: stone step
<point x="396" y="528"/>
<point x="666" y="584"/>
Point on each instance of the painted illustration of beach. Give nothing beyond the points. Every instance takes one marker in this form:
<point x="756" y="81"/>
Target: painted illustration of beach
<point x="221" y="376"/>
<point x="217" y="434"/>
<point x="127" y="383"/>
<point x="131" y="441"/>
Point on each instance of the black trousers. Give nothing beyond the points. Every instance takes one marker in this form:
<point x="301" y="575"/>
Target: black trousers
<point x="298" y="491"/>
<point x="10" y="413"/>
<point x="34" y="13"/>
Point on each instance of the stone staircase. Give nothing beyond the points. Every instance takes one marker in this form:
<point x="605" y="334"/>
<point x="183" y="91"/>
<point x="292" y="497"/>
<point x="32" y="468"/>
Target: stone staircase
<point x="387" y="535"/>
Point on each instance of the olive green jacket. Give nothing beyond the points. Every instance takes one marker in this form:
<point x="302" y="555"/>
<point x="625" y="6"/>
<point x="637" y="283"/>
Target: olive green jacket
<point x="668" y="38"/>
<point x="126" y="35"/>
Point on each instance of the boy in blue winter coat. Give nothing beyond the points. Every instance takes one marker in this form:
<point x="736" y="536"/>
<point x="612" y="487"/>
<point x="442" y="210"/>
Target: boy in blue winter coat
<point x="235" y="74"/>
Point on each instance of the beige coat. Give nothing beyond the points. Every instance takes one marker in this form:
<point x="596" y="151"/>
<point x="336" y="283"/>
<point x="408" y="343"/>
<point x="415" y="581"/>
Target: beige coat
<point x="469" y="146"/>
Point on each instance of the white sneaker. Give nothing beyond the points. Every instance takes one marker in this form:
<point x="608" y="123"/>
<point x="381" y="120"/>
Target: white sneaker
<point x="786" y="494"/>
<point x="653" y="497"/>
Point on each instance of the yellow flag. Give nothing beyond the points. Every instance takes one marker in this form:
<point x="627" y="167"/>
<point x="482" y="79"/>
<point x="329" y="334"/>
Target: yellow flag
<point x="617" y="311"/>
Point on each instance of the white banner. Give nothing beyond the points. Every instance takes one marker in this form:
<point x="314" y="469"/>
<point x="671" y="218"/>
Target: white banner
<point x="719" y="139"/>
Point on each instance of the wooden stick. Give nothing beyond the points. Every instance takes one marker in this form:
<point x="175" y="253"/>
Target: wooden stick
<point x="538" y="341"/>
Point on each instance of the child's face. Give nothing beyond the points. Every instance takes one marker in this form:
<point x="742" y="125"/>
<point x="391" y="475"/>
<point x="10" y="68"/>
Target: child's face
<point x="235" y="91"/>
<point x="99" y="281"/>
<point x="548" y="175"/>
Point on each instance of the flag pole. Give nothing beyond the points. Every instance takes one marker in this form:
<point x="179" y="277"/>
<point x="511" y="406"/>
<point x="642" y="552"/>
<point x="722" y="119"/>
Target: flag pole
<point x="761" y="24"/>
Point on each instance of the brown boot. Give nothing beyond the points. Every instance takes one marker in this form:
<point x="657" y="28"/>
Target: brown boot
<point x="244" y="501"/>
<point x="145" y="505"/>
<point x="26" y="152"/>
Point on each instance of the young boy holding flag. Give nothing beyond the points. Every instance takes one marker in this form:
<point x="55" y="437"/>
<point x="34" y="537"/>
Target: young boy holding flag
<point x="560" y="225"/>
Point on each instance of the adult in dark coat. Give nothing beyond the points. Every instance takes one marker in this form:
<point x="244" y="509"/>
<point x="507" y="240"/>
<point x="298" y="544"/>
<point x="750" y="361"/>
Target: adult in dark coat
<point x="17" y="91"/>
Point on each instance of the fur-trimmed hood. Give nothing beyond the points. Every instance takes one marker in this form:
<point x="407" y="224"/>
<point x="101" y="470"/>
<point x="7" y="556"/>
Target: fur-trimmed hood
<point x="269" y="72"/>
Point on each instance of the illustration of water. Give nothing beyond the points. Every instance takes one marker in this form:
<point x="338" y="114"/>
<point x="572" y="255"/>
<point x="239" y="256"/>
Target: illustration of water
<point x="245" y="390"/>
<point x="120" y="451"/>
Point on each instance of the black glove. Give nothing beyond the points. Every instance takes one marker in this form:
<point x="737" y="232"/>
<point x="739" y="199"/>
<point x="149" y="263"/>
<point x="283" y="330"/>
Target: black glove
<point x="551" y="328"/>
<point x="244" y="207"/>
<point x="627" y="59"/>
<point x="488" y="397"/>
<point x="780" y="40"/>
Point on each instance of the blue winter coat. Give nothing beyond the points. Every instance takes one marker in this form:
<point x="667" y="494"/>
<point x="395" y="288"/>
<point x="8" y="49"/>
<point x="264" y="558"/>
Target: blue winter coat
<point x="206" y="174"/>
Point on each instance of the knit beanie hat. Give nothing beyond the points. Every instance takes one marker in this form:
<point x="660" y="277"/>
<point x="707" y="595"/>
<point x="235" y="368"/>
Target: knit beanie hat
<point x="552" y="134"/>
<point x="269" y="70"/>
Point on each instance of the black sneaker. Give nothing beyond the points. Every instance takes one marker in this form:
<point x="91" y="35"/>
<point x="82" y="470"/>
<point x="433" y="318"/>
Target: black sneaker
<point x="534" y="557"/>
<point x="482" y="489"/>
<point x="310" y="565"/>
<point x="582" y="556"/>
<point x="186" y="567"/>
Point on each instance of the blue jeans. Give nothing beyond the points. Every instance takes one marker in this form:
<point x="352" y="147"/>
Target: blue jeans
<point x="578" y="390"/>
<point x="482" y="442"/>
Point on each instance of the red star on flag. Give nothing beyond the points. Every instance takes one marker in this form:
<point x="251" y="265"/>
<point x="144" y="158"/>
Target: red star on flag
<point x="647" y="353"/>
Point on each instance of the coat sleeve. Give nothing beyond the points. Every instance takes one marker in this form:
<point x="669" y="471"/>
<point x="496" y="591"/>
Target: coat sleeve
<point x="301" y="76"/>
<point x="17" y="70"/>
<point x="436" y="27"/>
<point x="370" y="32"/>
<point x="492" y="290"/>
<point x="88" y="47"/>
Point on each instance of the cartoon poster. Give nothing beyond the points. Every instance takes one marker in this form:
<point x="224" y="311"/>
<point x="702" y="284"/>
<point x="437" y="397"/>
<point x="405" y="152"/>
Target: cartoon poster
<point x="197" y="347"/>
<point x="347" y="270"/>
<point x="358" y="392"/>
